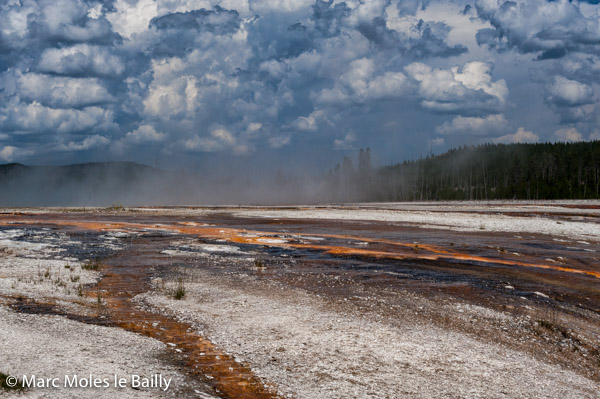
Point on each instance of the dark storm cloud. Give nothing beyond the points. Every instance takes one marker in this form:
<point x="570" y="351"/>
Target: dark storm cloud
<point x="179" y="33"/>
<point x="410" y="7"/>
<point x="329" y="18"/>
<point x="552" y="29"/>
<point x="183" y="79"/>
<point x="218" y="21"/>
<point x="430" y="40"/>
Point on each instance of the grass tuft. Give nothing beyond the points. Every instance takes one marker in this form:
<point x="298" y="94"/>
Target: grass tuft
<point x="92" y="264"/>
<point x="116" y="207"/>
<point x="179" y="292"/>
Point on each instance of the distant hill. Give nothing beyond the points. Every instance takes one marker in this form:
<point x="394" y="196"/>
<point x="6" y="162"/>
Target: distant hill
<point x="484" y="172"/>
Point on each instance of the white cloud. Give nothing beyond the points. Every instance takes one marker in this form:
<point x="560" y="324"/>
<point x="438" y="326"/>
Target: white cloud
<point x="145" y="134"/>
<point x="459" y="90"/>
<point x="35" y="117"/>
<point x="346" y="143"/>
<point x="219" y="140"/>
<point x="81" y="59"/>
<point x="253" y="127"/>
<point x="563" y="91"/>
<point x="360" y="83"/>
<point x="9" y="153"/>
<point x="520" y="136"/>
<point x="279" y="141"/>
<point x="61" y="92"/>
<point x="486" y="126"/>
<point x="223" y="136"/>
<point x="310" y="122"/>
<point x="131" y="17"/>
<point x="89" y="142"/>
<point x="568" y="135"/>
<point x="173" y="99"/>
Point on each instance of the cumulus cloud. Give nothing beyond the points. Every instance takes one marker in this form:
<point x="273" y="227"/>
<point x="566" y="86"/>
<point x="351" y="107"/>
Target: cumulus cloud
<point x="360" y="83"/>
<point x="35" y="117"/>
<point x="565" y="92"/>
<point x="220" y="139"/>
<point x="466" y="90"/>
<point x="89" y="142"/>
<point x="81" y="59"/>
<point x="9" y="153"/>
<point x="569" y="134"/>
<point x="130" y="17"/>
<point x="520" y="136"/>
<point x="426" y="39"/>
<point x="310" y="122"/>
<point x="145" y="134"/>
<point x="552" y="29"/>
<point x="279" y="141"/>
<point x="60" y="20"/>
<point x="484" y="126"/>
<point x="60" y="92"/>
<point x="346" y="142"/>
<point x="231" y="77"/>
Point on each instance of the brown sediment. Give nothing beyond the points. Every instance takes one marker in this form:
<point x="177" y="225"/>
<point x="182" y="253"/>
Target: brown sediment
<point x="243" y="236"/>
<point x="121" y="282"/>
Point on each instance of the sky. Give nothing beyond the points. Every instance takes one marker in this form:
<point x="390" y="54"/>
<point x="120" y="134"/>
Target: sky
<point x="295" y="83"/>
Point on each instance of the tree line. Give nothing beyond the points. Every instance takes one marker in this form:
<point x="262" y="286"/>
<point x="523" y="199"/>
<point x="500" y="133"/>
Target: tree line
<point x="482" y="172"/>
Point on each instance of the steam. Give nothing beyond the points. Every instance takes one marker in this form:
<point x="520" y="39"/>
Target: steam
<point x="132" y="184"/>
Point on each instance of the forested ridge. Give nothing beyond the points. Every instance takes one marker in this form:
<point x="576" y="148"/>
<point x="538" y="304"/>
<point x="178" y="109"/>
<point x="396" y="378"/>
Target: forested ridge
<point x="483" y="172"/>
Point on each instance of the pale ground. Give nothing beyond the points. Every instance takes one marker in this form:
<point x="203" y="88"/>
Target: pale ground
<point x="54" y="346"/>
<point x="311" y="349"/>
<point x="300" y="342"/>
<point x="454" y="217"/>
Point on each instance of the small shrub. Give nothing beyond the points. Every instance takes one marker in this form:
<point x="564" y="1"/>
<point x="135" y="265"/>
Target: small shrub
<point x="179" y="292"/>
<point x="546" y="324"/>
<point x="59" y="282"/>
<point x="92" y="264"/>
<point x="116" y="207"/>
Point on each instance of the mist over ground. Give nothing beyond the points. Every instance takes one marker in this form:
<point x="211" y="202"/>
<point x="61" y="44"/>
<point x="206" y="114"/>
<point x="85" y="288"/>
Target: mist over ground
<point x="130" y="184"/>
<point x="486" y="172"/>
